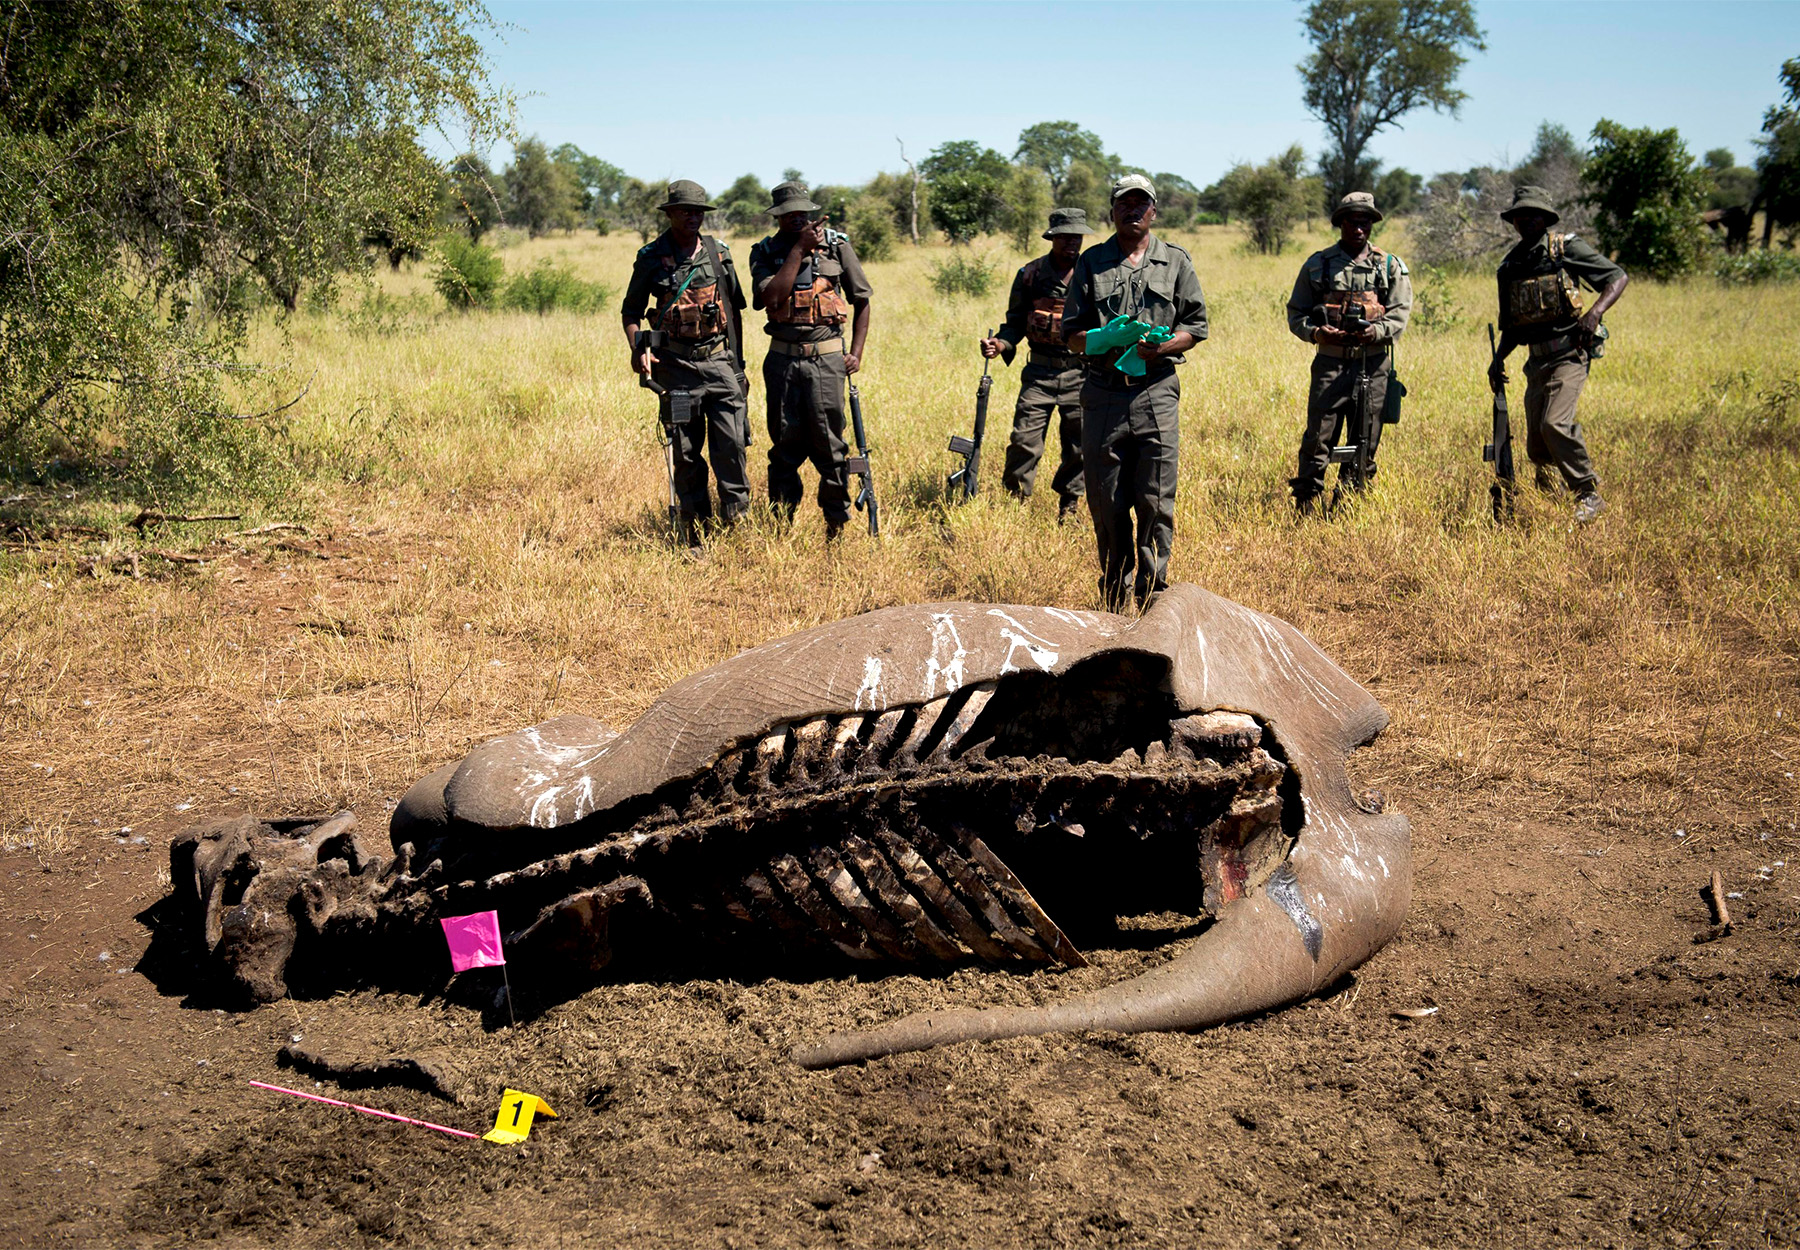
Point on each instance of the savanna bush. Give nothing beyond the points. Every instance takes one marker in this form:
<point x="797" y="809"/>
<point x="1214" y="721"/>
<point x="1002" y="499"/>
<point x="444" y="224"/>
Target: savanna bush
<point x="467" y="274"/>
<point x="548" y="287"/>
<point x="1751" y="268"/>
<point x="963" y="274"/>
<point x="871" y="229"/>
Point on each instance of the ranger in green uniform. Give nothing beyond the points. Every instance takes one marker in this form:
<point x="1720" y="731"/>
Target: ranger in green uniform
<point x="1355" y="275"/>
<point x="1130" y="426"/>
<point x="807" y="278"/>
<point x="1052" y="379"/>
<point x="1540" y="307"/>
<point x="699" y="314"/>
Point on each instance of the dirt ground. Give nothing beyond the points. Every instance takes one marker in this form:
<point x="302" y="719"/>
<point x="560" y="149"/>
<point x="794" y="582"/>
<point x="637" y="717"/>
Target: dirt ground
<point x="1593" y="1074"/>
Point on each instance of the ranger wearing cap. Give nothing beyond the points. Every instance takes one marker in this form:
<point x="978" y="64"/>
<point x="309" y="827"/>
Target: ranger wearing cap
<point x="807" y="278"/>
<point x="1540" y="306"/>
<point x="1354" y="276"/>
<point x="1052" y="378"/>
<point x="700" y="321"/>
<point x="1130" y="426"/>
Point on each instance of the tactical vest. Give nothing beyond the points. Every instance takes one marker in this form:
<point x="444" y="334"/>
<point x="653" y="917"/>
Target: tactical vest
<point x="1043" y="327"/>
<point x="697" y="313"/>
<point x="818" y="303"/>
<point x="1547" y="297"/>
<point x="1337" y="301"/>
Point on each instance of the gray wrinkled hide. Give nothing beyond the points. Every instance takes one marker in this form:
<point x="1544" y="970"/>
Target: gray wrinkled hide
<point x="1341" y="897"/>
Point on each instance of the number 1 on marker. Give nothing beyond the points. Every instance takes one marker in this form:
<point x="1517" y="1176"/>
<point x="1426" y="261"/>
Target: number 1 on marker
<point x="525" y="1108"/>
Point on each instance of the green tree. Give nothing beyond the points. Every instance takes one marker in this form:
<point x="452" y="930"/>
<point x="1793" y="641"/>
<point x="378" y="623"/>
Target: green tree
<point x="897" y="191"/>
<point x="1267" y="198"/>
<point x="1055" y="148"/>
<point x="968" y="188"/>
<point x="1028" y="207"/>
<point x="1177" y="201"/>
<point x="1555" y="159"/>
<point x="597" y="182"/>
<point x="745" y="205"/>
<point x="472" y="196"/>
<point x="162" y="162"/>
<point x="1733" y="185"/>
<point x="1778" y="162"/>
<point x="1399" y="191"/>
<point x="1375" y="61"/>
<point x="1646" y="193"/>
<point x="541" y="194"/>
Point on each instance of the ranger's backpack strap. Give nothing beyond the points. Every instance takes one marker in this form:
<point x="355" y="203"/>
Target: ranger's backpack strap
<point x="1559" y="244"/>
<point x="712" y="254"/>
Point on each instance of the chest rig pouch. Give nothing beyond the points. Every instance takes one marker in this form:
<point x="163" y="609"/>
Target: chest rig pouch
<point x="1544" y="298"/>
<point x="1043" y="326"/>
<point x="816" y="300"/>
<point x="1352" y="306"/>
<point x="693" y="314"/>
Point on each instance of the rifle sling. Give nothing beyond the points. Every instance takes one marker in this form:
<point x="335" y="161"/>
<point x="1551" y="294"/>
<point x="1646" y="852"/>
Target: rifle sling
<point x="712" y="254"/>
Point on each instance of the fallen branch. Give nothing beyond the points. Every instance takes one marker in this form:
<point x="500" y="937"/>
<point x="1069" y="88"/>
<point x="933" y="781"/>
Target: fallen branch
<point x="149" y="516"/>
<point x="274" y="527"/>
<point x="1714" y="894"/>
<point x="179" y="557"/>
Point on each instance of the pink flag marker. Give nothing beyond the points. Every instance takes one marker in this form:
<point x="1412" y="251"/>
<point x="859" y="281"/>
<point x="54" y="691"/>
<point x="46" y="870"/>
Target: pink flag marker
<point x="474" y="941"/>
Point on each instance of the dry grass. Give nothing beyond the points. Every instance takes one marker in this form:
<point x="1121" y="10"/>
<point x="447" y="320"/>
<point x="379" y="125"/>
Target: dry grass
<point x="484" y="496"/>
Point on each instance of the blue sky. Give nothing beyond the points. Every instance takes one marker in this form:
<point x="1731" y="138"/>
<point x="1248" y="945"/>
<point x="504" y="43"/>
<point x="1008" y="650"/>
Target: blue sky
<point x="712" y="90"/>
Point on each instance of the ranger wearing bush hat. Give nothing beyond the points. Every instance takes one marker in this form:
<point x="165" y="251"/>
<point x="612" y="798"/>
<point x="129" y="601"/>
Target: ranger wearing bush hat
<point x="1052" y="379"/>
<point x="807" y="278"/>
<point x="1356" y="275"/>
<point x="1130" y="426"/>
<point x="699" y="351"/>
<point x="1540" y="307"/>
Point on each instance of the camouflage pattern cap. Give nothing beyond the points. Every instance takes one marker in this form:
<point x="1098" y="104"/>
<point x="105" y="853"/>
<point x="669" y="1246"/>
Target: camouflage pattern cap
<point x="1356" y="202"/>
<point x="1534" y="198"/>
<point x="1134" y="182"/>
<point x="1068" y="221"/>
<point x="790" y="197"/>
<point x="686" y="194"/>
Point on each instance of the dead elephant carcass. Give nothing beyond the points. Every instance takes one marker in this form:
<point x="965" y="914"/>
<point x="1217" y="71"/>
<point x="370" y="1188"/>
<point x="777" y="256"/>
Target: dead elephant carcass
<point x="917" y="786"/>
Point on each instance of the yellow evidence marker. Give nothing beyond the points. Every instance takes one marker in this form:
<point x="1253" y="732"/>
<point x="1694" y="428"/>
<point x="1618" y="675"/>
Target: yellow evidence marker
<point x="513" y="1123"/>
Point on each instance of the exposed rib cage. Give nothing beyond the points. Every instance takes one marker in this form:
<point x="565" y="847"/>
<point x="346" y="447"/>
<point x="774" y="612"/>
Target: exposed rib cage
<point x="886" y="837"/>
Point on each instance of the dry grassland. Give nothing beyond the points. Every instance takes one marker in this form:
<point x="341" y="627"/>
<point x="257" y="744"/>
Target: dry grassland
<point x="483" y="498"/>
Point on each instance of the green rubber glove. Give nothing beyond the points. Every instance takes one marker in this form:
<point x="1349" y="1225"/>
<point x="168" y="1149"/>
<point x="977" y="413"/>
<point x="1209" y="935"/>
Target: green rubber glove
<point x="1133" y="365"/>
<point x="1119" y="332"/>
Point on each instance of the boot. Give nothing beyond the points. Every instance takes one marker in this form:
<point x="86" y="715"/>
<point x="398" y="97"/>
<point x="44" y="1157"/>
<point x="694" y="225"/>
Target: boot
<point x="1589" y="506"/>
<point x="1067" y="509"/>
<point x="1545" y="480"/>
<point x="834" y="529"/>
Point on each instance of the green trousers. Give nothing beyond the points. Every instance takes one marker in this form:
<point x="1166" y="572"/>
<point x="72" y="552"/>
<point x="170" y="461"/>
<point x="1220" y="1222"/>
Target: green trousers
<point x="720" y="423"/>
<point x="1130" y="444"/>
<point x="1331" y="418"/>
<point x="806" y="423"/>
<point x="1042" y="390"/>
<point x="1552" y="434"/>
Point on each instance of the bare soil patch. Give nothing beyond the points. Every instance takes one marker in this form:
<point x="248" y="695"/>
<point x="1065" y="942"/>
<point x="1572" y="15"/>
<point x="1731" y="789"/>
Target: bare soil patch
<point x="1593" y="1075"/>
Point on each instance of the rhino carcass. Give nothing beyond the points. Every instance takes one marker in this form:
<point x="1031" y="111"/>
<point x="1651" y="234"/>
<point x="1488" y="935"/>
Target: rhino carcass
<point x="918" y="786"/>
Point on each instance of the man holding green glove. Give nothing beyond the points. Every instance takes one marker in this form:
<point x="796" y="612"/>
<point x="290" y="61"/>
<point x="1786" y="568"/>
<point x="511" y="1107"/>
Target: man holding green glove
<point x="1134" y="306"/>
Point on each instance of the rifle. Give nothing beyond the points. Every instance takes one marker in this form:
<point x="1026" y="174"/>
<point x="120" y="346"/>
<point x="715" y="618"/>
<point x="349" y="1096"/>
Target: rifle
<point x="1355" y="459"/>
<point x="859" y="465"/>
<point x="970" y="448"/>
<point x="1498" y="451"/>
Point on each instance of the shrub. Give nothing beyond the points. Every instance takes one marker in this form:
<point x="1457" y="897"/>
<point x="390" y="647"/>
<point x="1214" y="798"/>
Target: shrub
<point x="963" y="275"/>
<point x="1647" y="195"/>
<point x="547" y="287"/>
<point x="1751" y="268"/>
<point x="871" y="229"/>
<point x="468" y="273"/>
<point x="1435" y="306"/>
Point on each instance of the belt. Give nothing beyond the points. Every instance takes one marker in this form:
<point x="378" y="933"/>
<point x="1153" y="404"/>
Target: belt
<point x="830" y="347"/>
<point x="1055" y="359"/>
<point x="1110" y="379"/>
<point x="1351" y="353"/>
<point x="698" y="351"/>
<point x="1554" y="347"/>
